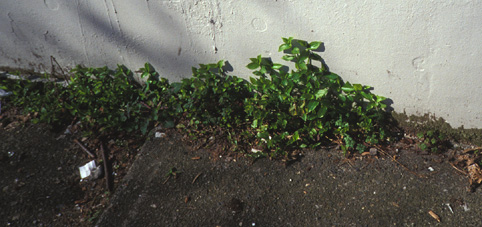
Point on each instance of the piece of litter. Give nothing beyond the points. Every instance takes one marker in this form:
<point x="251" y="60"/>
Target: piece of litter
<point x="430" y="169"/>
<point x="160" y="134"/>
<point x="450" y="208"/>
<point x="255" y="150"/>
<point x="466" y="208"/>
<point x="89" y="169"/>
<point x="434" y="216"/>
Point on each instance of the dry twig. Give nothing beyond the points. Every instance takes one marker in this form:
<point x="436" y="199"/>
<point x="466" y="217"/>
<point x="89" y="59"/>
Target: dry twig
<point x="396" y="161"/>
<point x="84" y="148"/>
<point x="106" y="169"/>
<point x="195" y="178"/>
<point x="461" y="171"/>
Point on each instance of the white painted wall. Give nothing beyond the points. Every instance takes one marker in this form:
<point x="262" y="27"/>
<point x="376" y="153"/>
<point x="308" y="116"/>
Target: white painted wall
<point x="425" y="55"/>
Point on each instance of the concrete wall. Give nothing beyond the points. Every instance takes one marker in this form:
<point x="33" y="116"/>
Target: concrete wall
<point x="425" y="55"/>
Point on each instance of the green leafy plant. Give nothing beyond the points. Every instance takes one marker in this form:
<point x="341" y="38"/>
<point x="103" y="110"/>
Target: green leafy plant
<point x="280" y="110"/>
<point x="211" y="97"/>
<point x="36" y="97"/>
<point x="309" y="106"/>
<point x="173" y="172"/>
<point x="100" y="98"/>
<point x="432" y="140"/>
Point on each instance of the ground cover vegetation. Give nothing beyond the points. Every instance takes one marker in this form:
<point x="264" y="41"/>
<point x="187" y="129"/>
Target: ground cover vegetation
<point x="277" y="111"/>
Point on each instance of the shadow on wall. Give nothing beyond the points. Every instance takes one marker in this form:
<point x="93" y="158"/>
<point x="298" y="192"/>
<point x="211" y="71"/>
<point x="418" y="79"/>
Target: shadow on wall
<point x="132" y="45"/>
<point x="101" y="36"/>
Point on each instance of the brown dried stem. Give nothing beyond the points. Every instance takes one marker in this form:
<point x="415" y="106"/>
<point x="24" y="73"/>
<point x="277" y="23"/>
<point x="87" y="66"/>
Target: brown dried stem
<point x="84" y="148"/>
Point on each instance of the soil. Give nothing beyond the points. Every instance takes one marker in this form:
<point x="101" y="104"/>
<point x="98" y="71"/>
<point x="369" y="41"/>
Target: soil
<point x="41" y="184"/>
<point x="172" y="184"/>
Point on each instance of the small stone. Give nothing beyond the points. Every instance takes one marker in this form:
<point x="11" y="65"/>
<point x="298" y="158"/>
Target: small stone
<point x="373" y="151"/>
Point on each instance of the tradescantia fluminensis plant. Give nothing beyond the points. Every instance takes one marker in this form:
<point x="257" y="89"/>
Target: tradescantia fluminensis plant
<point x="279" y="110"/>
<point x="309" y="106"/>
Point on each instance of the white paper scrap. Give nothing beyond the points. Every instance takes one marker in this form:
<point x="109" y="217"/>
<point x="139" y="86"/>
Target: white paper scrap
<point x="160" y="134"/>
<point x="86" y="169"/>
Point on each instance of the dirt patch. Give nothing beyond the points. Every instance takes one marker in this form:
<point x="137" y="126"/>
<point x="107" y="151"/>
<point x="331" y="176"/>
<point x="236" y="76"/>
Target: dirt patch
<point x="172" y="184"/>
<point x="40" y="180"/>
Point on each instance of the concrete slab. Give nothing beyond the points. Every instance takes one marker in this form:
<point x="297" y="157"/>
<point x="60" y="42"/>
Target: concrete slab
<point x="319" y="190"/>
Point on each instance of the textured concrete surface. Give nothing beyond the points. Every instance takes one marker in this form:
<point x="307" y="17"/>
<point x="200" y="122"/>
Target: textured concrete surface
<point x="319" y="190"/>
<point x="424" y="55"/>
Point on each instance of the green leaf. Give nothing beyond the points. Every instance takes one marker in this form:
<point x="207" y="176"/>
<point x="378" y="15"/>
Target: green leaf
<point x="332" y="76"/>
<point x="253" y="80"/>
<point x="347" y="87"/>
<point x="287" y="40"/>
<point x="295" y="50"/>
<point x="423" y="146"/>
<point x="284" y="47"/>
<point x="277" y="66"/>
<point x="380" y="98"/>
<point x="312" y="105"/>
<point x="366" y="96"/>
<point x="296" y="136"/>
<point x="420" y="135"/>
<point x="320" y="93"/>
<point x="253" y="65"/>
<point x="284" y="82"/>
<point x="255" y="123"/>
<point x="302" y="66"/>
<point x="357" y="87"/>
<point x="288" y="58"/>
<point x="314" y="45"/>
<point x="262" y="70"/>
<point x="220" y="64"/>
<point x="284" y="123"/>
<point x="321" y="112"/>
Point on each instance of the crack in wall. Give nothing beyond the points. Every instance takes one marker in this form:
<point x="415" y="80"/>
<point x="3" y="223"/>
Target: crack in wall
<point x="203" y="18"/>
<point x="115" y="28"/>
<point x="216" y="21"/>
<point x="82" y="32"/>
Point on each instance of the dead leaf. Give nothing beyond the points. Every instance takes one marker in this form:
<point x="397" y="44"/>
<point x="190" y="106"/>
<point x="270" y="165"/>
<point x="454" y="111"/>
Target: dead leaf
<point x="475" y="174"/>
